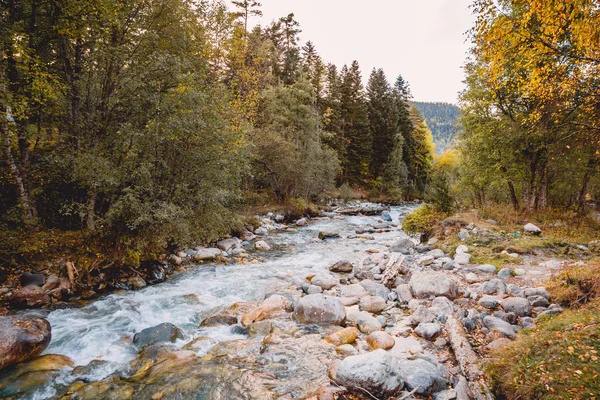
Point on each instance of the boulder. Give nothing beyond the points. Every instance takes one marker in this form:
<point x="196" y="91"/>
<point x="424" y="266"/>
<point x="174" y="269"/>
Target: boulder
<point x="499" y="325"/>
<point x="425" y="260"/>
<point x="228" y="244"/>
<point x="531" y="229"/>
<point x="328" y="235"/>
<point x="517" y="305"/>
<point x="375" y="372"/>
<point x="219" y="319"/>
<point x="302" y="222"/>
<point x="261" y="245"/>
<point x="461" y="249"/>
<point x="375" y="289"/>
<point x="346" y="350"/>
<point x="436" y="253"/>
<point x="32" y="279"/>
<point x="165" y="332"/>
<point x="428" y="330"/>
<point x="319" y="309"/>
<point x="402" y="244"/>
<point x="462" y="258"/>
<point x="29" y="297"/>
<point x="29" y="380"/>
<point x="487" y="268"/>
<point x="22" y="337"/>
<point x="372" y="304"/>
<point x="354" y="290"/>
<point x="365" y="322"/>
<point x="422" y="376"/>
<point x="386" y="216"/>
<point x="248" y="236"/>
<point x="380" y="340"/>
<point x="343" y="336"/>
<point x="539" y="291"/>
<point x="489" y="302"/>
<point x="431" y="283"/>
<point x="205" y="254"/>
<point x="267" y="309"/>
<point x="494" y="286"/>
<point x="324" y="281"/>
<point x="341" y="266"/>
<point x="404" y="293"/>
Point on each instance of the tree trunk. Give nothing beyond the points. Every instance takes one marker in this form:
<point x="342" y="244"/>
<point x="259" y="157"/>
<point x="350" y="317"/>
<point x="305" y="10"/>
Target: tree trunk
<point x="29" y="213"/>
<point x="589" y="172"/>
<point x="90" y="217"/>
<point x="511" y="189"/>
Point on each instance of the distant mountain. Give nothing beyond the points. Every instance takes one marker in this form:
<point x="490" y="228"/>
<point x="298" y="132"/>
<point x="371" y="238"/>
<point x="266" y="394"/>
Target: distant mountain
<point x="442" y="119"/>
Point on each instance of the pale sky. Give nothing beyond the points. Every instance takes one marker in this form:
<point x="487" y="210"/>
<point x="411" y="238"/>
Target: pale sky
<point x="424" y="40"/>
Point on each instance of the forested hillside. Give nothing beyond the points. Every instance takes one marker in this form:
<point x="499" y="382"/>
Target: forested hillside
<point x="147" y="123"/>
<point x="442" y="120"/>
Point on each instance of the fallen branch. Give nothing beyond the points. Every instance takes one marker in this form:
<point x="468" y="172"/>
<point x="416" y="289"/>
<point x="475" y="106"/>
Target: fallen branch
<point x="72" y="273"/>
<point x="392" y="269"/>
<point x="407" y="395"/>
<point x="467" y="359"/>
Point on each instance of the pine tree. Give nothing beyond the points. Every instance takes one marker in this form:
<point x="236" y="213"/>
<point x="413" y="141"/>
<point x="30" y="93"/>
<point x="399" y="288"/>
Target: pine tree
<point x="291" y="55"/>
<point x="355" y="126"/>
<point x="383" y="120"/>
<point x="405" y="127"/>
<point x="247" y="9"/>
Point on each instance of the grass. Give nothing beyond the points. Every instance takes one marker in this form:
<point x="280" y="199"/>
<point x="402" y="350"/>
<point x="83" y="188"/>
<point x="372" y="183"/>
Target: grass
<point x="557" y="360"/>
<point x="576" y="285"/>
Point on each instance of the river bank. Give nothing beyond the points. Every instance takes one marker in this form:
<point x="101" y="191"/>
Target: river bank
<point x="342" y="303"/>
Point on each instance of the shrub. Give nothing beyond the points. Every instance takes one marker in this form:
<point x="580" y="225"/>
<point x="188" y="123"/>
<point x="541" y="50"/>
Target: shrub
<point x="422" y="220"/>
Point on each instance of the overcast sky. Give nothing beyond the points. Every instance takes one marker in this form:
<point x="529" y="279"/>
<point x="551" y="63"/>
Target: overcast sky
<point x="424" y="40"/>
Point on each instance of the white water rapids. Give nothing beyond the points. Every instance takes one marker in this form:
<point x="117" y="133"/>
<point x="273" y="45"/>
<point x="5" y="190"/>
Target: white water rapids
<point x="99" y="330"/>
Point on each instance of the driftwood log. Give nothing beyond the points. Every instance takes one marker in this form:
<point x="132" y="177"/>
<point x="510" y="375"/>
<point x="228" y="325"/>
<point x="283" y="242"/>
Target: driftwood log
<point x="393" y="268"/>
<point x="467" y="359"/>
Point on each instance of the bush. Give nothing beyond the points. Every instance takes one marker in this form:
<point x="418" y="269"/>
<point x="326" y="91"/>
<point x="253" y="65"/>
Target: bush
<point x="423" y="219"/>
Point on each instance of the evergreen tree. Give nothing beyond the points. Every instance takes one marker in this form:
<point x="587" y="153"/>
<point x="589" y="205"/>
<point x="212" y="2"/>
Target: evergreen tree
<point x="422" y="158"/>
<point x="291" y="55"/>
<point x="247" y="9"/>
<point x="355" y="126"/>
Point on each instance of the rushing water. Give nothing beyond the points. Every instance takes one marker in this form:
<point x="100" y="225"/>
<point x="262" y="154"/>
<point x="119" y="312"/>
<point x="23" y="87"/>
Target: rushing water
<point x="100" y="330"/>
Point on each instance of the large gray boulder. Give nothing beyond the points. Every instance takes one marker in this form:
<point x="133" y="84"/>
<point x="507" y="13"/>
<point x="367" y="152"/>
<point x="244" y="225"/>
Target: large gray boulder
<point x="319" y="309"/>
<point x="165" y="332"/>
<point x="376" y="372"/>
<point x="423" y="376"/>
<point x="517" y="305"/>
<point x="432" y="283"/>
<point x="499" y="325"/>
<point x="22" y="337"/>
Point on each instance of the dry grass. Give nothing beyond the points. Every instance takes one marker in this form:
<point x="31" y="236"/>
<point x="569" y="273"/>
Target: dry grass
<point x="576" y="285"/>
<point x="557" y="360"/>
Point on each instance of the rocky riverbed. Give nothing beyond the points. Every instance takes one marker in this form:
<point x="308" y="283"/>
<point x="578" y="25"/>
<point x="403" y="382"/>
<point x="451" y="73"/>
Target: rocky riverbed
<point x="335" y="307"/>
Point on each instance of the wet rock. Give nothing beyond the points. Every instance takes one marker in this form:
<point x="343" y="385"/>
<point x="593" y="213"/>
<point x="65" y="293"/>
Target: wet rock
<point x="531" y="229"/>
<point x="380" y="340"/>
<point x="200" y="344"/>
<point x="375" y="289"/>
<point x="136" y="282"/>
<point x="261" y="245"/>
<point x="319" y="309"/>
<point x="375" y="372"/>
<point x="268" y="309"/>
<point x="165" y="332"/>
<point x="328" y="235"/>
<point x="498" y="325"/>
<point x="29" y="297"/>
<point x="517" y="305"/>
<point x="24" y="380"/>
<point x="431" y="283"/>
<point x="22" y="337"/>
<point x="324" y="281"/>
<point x="372" y="304"/>
<point x="204" y="254"/>
<point x="494" y="286"/>
<point x="341" y="266"/>
<point x="262" y="231"/>
<point x="429" y="331"/>
<point x="220" y="319"/>
<point x="248" y="236"/>
<point x="32" y="279"/>
<point x="302" y="222"/>
<point x="343" y="336"/>
<point x="423" y="376"/>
